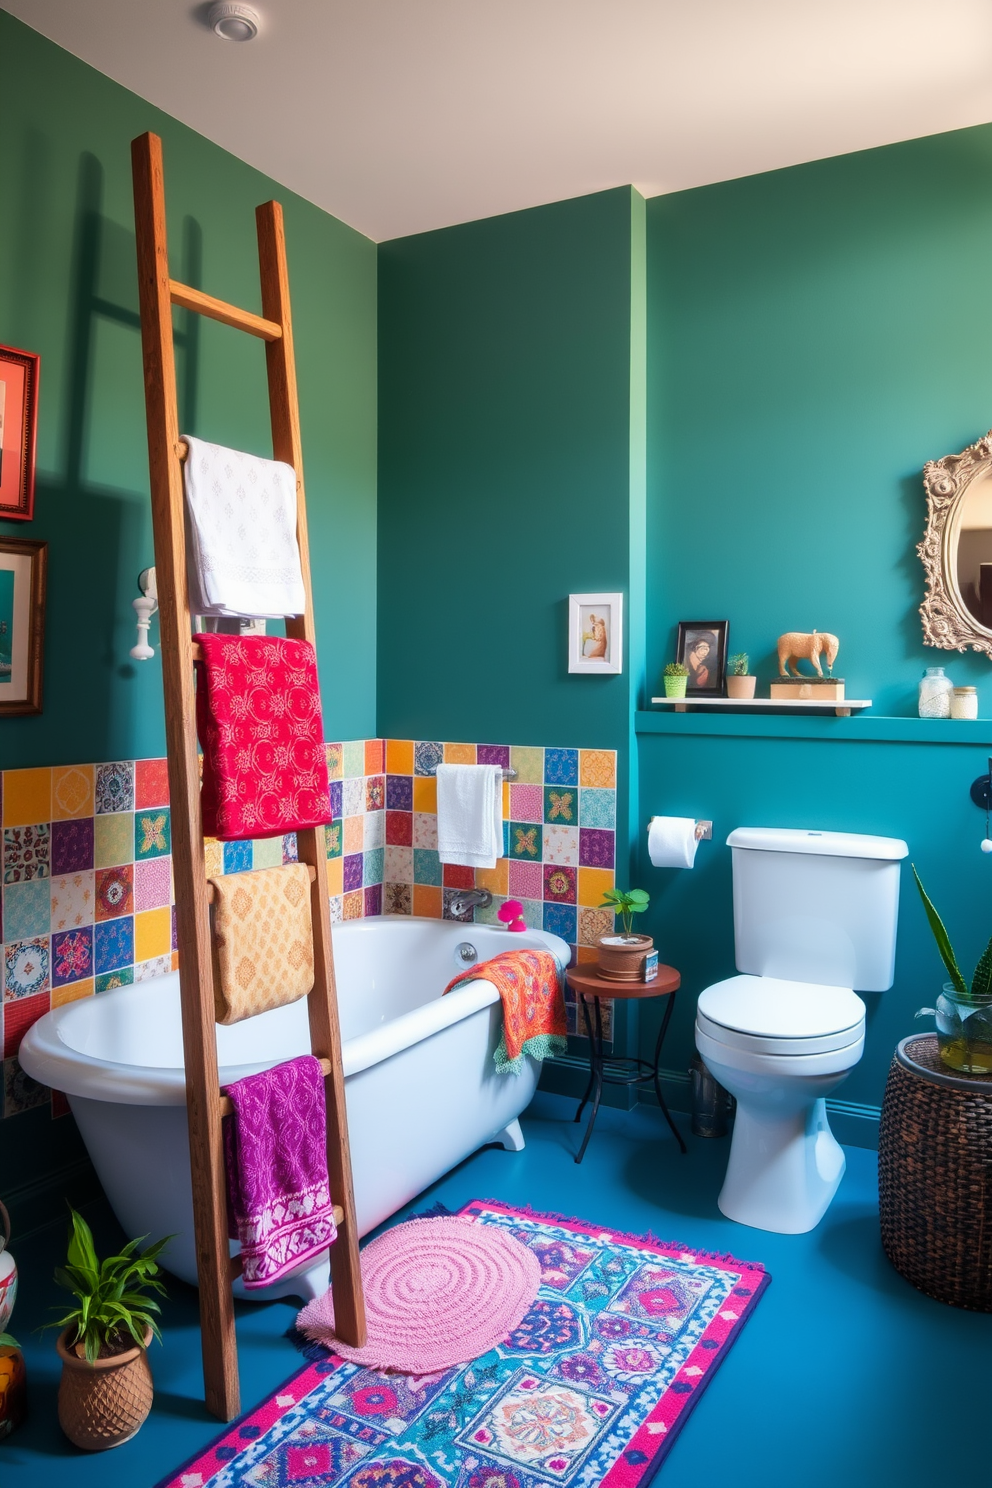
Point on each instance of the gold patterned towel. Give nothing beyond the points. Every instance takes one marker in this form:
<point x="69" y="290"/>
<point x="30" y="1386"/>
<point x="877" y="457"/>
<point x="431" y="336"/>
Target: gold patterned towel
<point x="263" y="941"/>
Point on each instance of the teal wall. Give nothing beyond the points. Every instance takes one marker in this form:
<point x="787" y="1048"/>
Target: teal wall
<point x="68" y="289"/>
<point x="814" y="336"/>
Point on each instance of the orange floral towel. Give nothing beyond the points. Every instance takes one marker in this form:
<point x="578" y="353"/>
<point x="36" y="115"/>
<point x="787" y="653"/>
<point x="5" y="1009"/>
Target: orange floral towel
<point x="533" y="1005"/>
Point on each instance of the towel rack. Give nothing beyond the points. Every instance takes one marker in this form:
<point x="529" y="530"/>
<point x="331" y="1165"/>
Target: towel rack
<point x="506" y="774"/>
<point x="158" y="293"/>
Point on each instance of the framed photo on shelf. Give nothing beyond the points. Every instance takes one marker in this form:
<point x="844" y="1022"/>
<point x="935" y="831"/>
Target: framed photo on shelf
<point x="23" y="568"/>
<point x="702" y="647"/>
<point x="18" y="432"/>
<point x="595" y="633"/>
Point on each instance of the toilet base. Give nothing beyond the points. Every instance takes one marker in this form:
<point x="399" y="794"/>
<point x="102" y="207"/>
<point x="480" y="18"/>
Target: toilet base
<point x="785" y="1165"/>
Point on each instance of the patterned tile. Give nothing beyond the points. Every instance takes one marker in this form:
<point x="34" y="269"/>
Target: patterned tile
<point x="375" y="793"/>
<point x="496" y="880"/>
<point x="353" y="905"/>
<point x="72" y="791"/>
<point x="237" y="855"/>
<point x="490" y="915"/>
<point x="266" y="852"/>
<point x="426" y="867"/>
<point x="335" y="797"/>
<point x="373" y="865"/>
<point x="26" y="966"/>
<point x="353" y="759"/>
<point x="561" y="805"/>
<point x="526" y="803"/>
<point x="20" y="1092"/>
<point x="156" y="966"/>
<point x="353" y="797"/>
<point x="459" y="754"/>
<point x="153" y="835"/>
<point x="525" y="841"/>
<point x="561" y="767"/>
<point x="151" y="783"/>
<point x="73" y="900"/>
<point x="152" y="884"/>
<point x="26" y="852"/>
<point x="528" y="763"/>
<point x="457" y="876"/>
<point x="397" y="898"/>
<point x="152" y="934"/>
<point x="448" y="896"/>
<point x="72" y="845"/>
<point x="373" y="900"/>
<point x="533" y="913"/>
<point x="122" y="977"/>
<point x="425" y="829"/>
<point x="213" y="858"/>
<point x="427" y="901"/>
<point x="593" y="923"/>
<point x="427" y="757"/>
<point x="113" y="892"/>
<point x="290" y="853"/>
<point x="72" y="992"/>
<point x="113" y="944"/>
<point x="375" y="829"/>
<point x="399" y="793"/>
<point x="424" y="793"/>
<point x="561" y="845"/>
<point x="27" y="909"/>
<point x="335" y="877"/>
<point x="334" y="755"/>
<point x="399" y="828"/>
<point x="115" y="787"/>
<point x="27" y="797"/>
<point x="175" y="929"/>
<point x="337" y="909"/>
<point x="560" y="919"/>
<point x="598" y="767"/>
<point x="375" y="757"/>
<point x="560" y="883"/>
<point x="72" y="956"/>
<point x="593" y="883"/>
<point x="398" y="865"/>
<point x="494" y="754"/>
<point x="334" y="839"/>
<point x="399" y="756"/>
<point x="113" y="840"/>
<point x="354" y="834"/>
<point x="526" y="880"/>
<point x="596" y="848"/>
<point x="598" y="808"/>
<point x="353" y="873"/>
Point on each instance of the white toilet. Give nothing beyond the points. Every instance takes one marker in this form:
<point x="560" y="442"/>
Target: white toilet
<point x="815" y="916"/>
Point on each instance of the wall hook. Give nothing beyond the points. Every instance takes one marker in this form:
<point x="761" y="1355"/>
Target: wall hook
<point x="145" y="607"/>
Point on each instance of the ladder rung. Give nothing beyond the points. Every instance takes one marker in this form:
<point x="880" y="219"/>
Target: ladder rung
<point x="211" y="893"/>
<point x="237" y="1264"/>
<point x="227" y="1106"/>
<point x="214" y="309"/>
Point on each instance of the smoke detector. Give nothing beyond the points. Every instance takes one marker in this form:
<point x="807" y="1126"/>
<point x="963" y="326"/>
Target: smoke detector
<point x="233" y="22"/>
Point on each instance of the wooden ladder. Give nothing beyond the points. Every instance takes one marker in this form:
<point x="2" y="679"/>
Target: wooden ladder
<point x="216" y="1270"/>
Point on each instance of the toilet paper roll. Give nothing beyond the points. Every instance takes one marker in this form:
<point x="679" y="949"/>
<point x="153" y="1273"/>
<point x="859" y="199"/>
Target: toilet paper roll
<point x="672" y="841"/>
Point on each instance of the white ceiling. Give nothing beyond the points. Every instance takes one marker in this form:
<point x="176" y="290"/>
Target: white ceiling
<point x="402" y="115"/>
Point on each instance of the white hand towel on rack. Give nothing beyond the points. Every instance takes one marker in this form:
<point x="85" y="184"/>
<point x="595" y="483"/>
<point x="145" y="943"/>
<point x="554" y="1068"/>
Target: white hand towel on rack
<point x="470" y="814"/>
<point x="243" y="557"/>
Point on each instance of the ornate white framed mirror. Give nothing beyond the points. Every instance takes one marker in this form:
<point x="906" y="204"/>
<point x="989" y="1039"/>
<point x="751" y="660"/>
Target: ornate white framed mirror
<point x="956" y="550"/>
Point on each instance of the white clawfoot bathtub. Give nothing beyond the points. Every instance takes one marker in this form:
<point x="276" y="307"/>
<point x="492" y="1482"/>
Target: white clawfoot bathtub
<point x="422" y="1091"/>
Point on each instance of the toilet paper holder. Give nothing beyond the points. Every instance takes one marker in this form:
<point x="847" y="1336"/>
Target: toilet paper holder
<point x="704" y="830"/>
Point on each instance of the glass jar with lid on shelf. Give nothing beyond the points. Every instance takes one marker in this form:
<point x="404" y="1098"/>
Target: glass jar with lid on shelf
<point x="936" y="690"/>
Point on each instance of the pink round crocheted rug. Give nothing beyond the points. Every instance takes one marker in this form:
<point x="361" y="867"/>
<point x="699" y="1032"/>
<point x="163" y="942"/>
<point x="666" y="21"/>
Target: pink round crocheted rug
<point x="438" y="1292"/>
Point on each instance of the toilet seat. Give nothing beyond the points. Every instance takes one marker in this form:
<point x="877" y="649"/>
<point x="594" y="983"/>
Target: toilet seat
<point x="768" y="1015"/>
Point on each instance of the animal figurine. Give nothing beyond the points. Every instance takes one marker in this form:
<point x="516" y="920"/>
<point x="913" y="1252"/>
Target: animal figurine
<point x="797" y="645"/>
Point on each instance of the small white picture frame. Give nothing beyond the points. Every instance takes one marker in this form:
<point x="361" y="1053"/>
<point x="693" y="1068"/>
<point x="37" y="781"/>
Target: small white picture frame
<point x="595" y="633"/>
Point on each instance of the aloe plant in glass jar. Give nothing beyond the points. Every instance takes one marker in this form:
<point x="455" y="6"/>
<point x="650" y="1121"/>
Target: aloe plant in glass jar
<point x="963" y="1014"/>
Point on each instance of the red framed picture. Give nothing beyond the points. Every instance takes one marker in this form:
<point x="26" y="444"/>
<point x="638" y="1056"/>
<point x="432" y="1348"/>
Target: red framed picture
<point x="18" y="432"/>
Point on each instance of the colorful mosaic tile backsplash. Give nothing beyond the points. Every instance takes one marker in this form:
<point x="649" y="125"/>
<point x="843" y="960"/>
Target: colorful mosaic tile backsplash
<point x="87" y="867"/>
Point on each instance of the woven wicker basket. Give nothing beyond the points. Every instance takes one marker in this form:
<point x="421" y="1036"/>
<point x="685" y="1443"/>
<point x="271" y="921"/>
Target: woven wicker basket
<point x="935" y="1176"/>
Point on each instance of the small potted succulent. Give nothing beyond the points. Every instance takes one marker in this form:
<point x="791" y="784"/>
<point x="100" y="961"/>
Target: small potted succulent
<point x="106" y="1388"/>
<point x="740" y="684"/>
<point x="621" y="958"/>
<point x="676" y="679"/>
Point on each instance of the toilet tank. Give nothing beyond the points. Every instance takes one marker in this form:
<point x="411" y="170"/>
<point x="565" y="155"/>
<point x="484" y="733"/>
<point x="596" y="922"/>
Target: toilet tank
<point x="816" y="906"/>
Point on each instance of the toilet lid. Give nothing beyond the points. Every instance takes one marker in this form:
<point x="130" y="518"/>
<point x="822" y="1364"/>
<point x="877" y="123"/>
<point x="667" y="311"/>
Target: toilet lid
<point x="776" y="1012"/>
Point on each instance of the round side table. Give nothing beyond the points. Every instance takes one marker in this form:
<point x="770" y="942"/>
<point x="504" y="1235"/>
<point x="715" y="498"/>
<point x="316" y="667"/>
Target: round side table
<point x="590" y="988"/>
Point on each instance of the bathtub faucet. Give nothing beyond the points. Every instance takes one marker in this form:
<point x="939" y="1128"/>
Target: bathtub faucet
<point x="471" y="899"/>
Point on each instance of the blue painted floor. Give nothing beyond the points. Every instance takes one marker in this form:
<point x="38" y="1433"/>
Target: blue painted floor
<point x="844" y="1378"/>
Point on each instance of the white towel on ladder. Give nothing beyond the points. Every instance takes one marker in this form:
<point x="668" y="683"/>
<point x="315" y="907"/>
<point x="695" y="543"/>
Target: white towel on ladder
<point x="242" y="553"/>
<point x="470" y="814"/>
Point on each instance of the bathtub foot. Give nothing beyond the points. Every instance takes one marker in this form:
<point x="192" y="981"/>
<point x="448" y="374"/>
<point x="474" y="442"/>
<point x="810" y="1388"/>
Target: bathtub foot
<point x="511" y="1138"/>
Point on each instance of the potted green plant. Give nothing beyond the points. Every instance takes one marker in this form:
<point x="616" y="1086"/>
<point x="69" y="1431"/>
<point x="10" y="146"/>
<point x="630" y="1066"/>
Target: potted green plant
<point x="106" y="1388"/>
<point x="621" y="957"/>
<point x="740" y="684"/>
<point x="676" y="678"/>
<point x="963" y="1014"/>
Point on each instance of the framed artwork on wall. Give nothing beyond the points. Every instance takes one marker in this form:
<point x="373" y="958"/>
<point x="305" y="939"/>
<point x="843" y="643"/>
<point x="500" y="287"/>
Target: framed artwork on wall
<point x="23" y="568"/>
<point x="595" y="633"/>
<point x="702" y="647"/>
<point x="18" y="432"/>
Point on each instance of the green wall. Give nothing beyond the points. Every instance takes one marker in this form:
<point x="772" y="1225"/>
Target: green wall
<point x="68" y="289"/>
<point x="814" y="336"/>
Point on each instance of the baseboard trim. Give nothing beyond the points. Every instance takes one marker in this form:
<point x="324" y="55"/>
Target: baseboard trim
<point x="40" y="1202"/>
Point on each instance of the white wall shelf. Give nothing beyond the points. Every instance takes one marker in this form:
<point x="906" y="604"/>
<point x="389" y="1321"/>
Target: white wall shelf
<point x="843" y="707"/>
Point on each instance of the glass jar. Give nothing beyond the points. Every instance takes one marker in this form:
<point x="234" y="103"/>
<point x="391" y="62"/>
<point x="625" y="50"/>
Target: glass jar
<point x="964" y="1030"/>
<point x="964" y="702"/>
<point x="935" y="694"/>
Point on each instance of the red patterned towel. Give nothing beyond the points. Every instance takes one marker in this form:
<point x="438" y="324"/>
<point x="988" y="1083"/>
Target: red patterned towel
<point x="259" y="724"/>
<point x="533" y="1005"/>
<point x="275" y="1150"/>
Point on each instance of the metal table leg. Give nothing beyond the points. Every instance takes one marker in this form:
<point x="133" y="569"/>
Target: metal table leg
<point x="595" y="1071"/>
<point x="666" y="1019"/>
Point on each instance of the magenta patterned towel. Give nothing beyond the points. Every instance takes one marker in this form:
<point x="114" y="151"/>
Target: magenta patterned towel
<point x="275" y="1149"/>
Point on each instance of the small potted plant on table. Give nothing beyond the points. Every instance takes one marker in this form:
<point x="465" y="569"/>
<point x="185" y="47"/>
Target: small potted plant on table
<point x="740" y="684"/>
<point x="676" y="679"/>
<point x="621" y="957"/>
<point x="106" y="1388"/>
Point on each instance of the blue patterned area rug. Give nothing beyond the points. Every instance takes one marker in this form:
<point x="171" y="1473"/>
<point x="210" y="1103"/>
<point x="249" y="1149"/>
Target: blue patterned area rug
<point x="591" y="1388"/>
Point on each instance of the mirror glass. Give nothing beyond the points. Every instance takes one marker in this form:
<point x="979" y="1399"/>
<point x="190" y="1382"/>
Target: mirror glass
<point x="972" y="560"/>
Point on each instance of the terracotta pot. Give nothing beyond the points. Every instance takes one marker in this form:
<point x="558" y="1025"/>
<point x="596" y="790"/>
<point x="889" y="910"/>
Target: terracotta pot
<point x="622" y="959"/>
<point x="741" y="687"/>
<point x="675" y="686"/>
<point x="103" y="1404"/>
